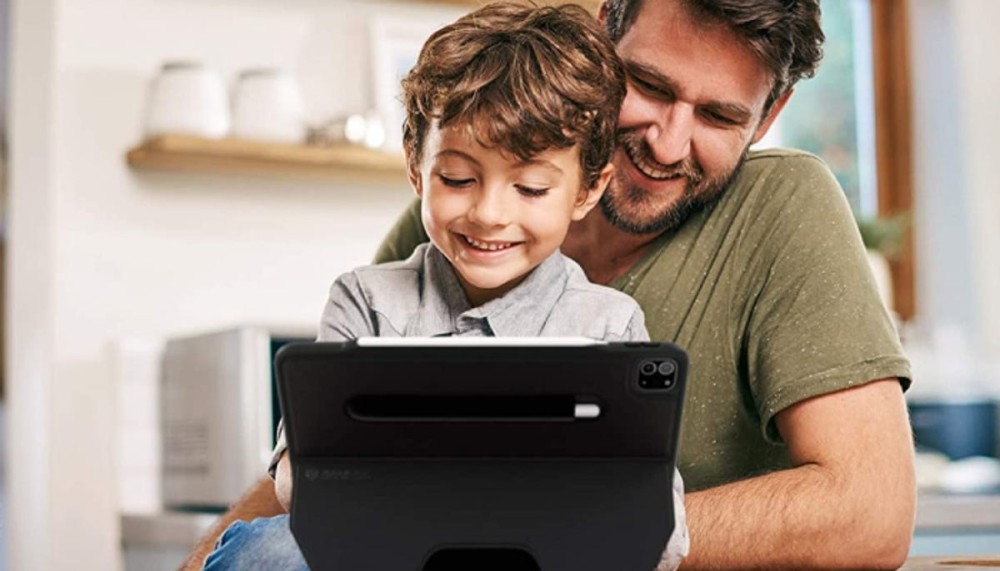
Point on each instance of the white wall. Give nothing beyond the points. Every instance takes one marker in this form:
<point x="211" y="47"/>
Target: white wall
<point x="979" y="73"/>
<point x="99" y="252"/>
<point x="956" y="78"/>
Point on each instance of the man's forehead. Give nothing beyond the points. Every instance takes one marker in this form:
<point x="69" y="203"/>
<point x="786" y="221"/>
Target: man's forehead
<point x="708" y="56"/>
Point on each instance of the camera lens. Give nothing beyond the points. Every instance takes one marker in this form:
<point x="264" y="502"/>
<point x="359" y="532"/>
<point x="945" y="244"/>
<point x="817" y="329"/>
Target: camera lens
<point x="647" y="368"/>
<point x="667" y="368"/>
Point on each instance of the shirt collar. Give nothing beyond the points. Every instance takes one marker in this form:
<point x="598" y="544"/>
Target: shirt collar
<point x="522" y="311"/>
<point x="442" y="299"/>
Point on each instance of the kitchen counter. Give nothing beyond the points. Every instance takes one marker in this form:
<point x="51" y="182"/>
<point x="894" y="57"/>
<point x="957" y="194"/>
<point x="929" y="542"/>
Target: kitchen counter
<point x="958" y="512"/>
<point x="951" y="563"/>
<point x="944" y="522"/>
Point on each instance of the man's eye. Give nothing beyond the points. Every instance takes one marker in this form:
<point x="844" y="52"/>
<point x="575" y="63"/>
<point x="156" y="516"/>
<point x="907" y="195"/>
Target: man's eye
<point x="532" y="192"/>
<point x="456" y="182"/>
<point x="720" y="119"/>
<point x="651" y="90"/>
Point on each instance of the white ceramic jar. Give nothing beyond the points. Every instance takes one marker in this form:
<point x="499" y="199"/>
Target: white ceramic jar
<point x="267" y="106"/>
<point x="188" y="98"/>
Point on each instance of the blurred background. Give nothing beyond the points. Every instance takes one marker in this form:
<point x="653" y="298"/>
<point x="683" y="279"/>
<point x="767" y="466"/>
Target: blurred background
<point x="182" y="180"/>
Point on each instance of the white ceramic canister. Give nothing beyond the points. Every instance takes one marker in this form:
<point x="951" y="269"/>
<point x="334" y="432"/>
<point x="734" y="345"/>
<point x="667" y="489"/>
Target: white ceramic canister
<point x="188" y="98"/>
<point x="267" y="106"/>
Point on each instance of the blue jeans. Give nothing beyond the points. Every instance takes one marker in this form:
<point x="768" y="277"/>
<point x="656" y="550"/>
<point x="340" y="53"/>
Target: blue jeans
<point x="264" y="543"/>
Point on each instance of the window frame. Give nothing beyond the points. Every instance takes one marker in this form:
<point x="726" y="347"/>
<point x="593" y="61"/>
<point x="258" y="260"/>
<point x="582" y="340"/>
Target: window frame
<point x="894" y="137"/>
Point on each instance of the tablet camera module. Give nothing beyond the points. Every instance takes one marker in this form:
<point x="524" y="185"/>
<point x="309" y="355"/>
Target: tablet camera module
<point x="657" y="375"/>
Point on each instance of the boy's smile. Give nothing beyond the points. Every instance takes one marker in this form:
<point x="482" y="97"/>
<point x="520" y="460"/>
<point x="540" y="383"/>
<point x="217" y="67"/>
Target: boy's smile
<point x="494" y="216"/>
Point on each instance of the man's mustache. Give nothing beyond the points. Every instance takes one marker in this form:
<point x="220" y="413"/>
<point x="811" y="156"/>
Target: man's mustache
<point x="634" y="144"/>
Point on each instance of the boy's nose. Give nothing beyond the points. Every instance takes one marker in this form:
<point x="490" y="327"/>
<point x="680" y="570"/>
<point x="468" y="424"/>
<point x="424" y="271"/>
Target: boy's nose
<point x="490" y="210"/>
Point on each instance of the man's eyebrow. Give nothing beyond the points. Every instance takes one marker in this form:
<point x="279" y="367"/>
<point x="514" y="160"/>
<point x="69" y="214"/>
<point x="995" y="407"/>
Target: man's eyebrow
<point x="650" y="75"/>
<point x="653" y="77"/>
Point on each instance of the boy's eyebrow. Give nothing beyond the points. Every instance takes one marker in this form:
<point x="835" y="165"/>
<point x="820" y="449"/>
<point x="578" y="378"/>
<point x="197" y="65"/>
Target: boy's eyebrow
<point x="456" y="153"/>
<point x="541" y="163"/>
<point x="652" y="77"/>
<point x="528" y="163"/>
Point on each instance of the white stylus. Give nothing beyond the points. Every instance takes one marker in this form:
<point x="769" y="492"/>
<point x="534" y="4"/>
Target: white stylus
<point x="586" y="411"/>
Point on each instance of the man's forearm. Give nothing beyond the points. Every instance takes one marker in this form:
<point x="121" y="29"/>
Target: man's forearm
<point x="259" y="501"/>
<point x="849" y="504"/>
<point x="803" y="518"/>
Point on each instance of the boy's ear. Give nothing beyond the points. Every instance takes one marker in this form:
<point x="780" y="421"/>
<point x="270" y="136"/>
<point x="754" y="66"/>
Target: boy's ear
<point x="590" y="196"/>
<point x="413" y="172"/>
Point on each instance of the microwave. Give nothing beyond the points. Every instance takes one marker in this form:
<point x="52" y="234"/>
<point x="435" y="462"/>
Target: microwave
<point x="219" y="412"/>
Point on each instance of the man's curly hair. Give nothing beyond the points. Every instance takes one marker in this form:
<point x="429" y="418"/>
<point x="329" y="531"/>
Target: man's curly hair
<point x="785" y="35"/>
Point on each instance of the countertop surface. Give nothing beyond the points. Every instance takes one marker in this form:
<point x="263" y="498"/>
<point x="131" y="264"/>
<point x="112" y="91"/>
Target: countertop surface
<point x="951" y="563"/>
<point x="958" y="512"/>
<point x="935" y="512"/>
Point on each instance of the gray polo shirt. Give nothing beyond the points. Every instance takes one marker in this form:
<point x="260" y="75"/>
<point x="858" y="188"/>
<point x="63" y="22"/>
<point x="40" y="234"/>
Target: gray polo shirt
<point x="422" y="297"/>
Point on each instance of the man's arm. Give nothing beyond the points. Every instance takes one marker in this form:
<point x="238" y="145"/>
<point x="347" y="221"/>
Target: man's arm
<point x="850" y="501"/>
<point x="259" y="501"/>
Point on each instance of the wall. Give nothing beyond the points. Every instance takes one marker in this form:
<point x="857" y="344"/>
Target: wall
<point x="980" y="83"/>
<point x="955" y="80"/>
<point x="99" y="252"/>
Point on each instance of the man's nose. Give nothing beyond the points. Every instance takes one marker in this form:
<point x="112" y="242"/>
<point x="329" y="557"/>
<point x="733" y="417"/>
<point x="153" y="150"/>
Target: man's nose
<point x="490" y="208"/>
<point x="669" y="137"/>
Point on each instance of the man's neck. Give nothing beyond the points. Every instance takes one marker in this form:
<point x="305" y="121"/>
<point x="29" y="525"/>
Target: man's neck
<point x="604" y="252"/>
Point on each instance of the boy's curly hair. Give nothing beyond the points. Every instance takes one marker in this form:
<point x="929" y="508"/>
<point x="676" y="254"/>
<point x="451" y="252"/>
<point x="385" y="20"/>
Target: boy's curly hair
<point x="525" y="79"/>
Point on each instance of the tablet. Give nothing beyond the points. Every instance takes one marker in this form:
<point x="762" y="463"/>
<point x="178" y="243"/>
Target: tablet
<point x="482" y="453"/>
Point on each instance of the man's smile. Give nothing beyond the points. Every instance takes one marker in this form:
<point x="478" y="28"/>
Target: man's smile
<point x="637" y="154"/>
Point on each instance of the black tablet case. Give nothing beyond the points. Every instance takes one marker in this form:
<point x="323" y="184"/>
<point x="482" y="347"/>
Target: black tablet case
<point x="411" y="458"/>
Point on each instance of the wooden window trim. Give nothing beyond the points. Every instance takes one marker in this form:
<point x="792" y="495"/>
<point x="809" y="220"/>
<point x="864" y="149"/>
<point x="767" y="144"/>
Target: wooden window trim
<point x="893" y="136"/>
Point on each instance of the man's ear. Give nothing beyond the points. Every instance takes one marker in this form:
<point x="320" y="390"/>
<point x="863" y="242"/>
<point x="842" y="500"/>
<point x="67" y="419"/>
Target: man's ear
<point x="590" y="196"/>
<point x="766" y="123"/>
<point x="413" y="172"/>
<point x="602" y="14"/>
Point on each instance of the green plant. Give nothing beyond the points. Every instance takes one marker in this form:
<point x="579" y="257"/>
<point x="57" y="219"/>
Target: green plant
<point x="884" y="235"/>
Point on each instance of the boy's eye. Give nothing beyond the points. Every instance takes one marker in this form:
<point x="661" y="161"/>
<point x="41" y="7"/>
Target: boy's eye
<point x="456" y="182"/>
<point x="532" y="192"/>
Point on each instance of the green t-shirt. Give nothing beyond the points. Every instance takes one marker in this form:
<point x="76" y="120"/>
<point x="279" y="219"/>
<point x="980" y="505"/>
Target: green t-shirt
<point x="771" y="295"/>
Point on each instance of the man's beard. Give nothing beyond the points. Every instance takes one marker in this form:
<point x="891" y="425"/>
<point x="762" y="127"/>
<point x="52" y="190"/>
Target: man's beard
<point x="699" y="193"/>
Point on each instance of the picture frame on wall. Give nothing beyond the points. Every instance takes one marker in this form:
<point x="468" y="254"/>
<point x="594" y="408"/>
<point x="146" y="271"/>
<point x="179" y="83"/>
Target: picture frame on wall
<point x="395" y="46"/>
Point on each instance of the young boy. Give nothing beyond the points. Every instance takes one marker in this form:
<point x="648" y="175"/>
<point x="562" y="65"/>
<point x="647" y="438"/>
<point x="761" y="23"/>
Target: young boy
<point x="511" y="123"/>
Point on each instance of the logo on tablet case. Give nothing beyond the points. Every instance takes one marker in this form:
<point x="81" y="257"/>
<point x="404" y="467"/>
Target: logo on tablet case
<point x="336" y="475"/>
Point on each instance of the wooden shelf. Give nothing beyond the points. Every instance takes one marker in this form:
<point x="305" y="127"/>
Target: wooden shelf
<point x="196" y="154"/>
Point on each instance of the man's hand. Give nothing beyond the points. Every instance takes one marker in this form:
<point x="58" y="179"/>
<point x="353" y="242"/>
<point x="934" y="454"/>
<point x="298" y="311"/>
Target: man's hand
<point x="283" y="482"/>
<point x="849" y="503"/>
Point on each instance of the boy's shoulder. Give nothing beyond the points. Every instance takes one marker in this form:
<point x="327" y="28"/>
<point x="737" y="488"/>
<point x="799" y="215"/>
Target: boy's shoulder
<point x="389" y="284"/>
<point x="596" y="307"/>
<point x="580" y="288"/>
<point x="399" y="270"/>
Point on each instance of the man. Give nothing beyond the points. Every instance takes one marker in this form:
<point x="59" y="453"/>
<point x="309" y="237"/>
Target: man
<point x="795" y="446"/>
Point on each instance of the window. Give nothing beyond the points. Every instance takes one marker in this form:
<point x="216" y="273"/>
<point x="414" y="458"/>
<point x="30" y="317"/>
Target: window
<point x="832" y="115"/>
<point x="855" y="114"/>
